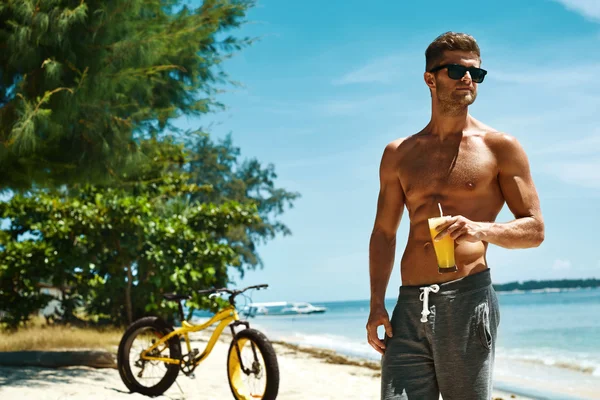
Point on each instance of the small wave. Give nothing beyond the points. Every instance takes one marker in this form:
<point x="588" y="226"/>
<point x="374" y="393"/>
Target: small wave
<point x="583" y="363"/>
<point x="573" y="366"/>
<point x="339" y="344"/>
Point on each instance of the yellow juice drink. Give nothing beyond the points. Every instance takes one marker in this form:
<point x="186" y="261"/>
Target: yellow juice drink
<point x="444" y="249"/>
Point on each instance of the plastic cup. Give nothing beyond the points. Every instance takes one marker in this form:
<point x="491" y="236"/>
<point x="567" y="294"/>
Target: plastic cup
<point x="444" y="248"/>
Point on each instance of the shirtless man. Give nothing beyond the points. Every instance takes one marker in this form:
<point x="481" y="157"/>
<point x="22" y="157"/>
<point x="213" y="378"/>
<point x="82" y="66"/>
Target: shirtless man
<point x="471" y="170"/>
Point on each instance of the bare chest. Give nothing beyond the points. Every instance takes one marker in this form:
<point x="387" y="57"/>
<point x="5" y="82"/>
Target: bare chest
<point x="468" y="168"/>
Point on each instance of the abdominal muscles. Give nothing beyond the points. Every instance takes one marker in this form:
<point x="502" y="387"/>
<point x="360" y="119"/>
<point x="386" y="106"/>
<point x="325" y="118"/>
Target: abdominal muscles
<point x="419" y="265"/>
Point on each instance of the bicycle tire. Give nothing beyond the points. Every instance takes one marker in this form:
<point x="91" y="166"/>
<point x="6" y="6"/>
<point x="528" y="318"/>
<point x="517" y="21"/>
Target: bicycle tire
<point x="271" y="366"/>
<point x="123" y="360"/>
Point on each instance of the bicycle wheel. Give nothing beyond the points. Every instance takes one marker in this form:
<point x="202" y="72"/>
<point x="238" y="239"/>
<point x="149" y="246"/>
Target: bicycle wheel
<point x="260" y="380"/>
<point x="150" y="378"/>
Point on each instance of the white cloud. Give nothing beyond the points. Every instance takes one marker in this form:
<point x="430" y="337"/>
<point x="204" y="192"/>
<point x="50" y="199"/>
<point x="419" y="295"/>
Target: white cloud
<point x="588" y="8"/>
<point x="579" y="173"/>
<point x="589" y="145"/>
<point x="342" y="261"/>
<point x="574" y="162"/>
<point x="560" y="265"/>
<point x="322" y="160"/>
<point x="380" y="70"/>
<point x="554" y="77"/>
<point x="389" y="103"/>
<point x="344" y="107"/>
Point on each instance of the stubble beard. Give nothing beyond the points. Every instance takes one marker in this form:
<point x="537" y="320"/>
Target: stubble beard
<point x="454" y="103"/>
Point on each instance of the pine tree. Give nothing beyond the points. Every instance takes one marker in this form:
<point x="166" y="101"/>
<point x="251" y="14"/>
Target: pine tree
<point x="84" y="82"/>
<point x="218" y="165"/>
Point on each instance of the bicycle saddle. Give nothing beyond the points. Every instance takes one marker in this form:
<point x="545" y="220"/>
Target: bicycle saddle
<point x="176" y="297"/>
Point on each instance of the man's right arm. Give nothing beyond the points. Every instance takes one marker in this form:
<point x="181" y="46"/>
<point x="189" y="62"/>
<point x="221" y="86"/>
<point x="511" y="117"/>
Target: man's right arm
<point x="382" y="246"/>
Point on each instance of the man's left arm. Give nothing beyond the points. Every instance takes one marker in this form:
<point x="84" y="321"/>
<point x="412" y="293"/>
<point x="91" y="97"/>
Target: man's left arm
<point x="516" y="184"/>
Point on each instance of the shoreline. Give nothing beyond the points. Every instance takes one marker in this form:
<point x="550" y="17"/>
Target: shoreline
<point x="306" y="372"/>
<point x="503" y="387"/>
<point x="300" y="360"/>
<point x="528" y="379"/>
<point x="504" y="391"/>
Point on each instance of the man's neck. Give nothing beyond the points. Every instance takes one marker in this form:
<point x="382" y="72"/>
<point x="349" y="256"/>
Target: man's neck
<point x="444" y="124"/>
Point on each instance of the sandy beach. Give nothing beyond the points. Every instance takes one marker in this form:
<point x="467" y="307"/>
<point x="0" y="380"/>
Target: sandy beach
<point x="305" y="374"/>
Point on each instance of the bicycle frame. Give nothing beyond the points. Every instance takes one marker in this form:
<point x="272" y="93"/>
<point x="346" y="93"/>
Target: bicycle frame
<point x="225" y="317"/>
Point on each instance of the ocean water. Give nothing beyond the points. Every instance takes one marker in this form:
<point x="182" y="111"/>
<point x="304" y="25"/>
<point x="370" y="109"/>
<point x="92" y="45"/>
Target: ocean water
<point x="548" y="341"/>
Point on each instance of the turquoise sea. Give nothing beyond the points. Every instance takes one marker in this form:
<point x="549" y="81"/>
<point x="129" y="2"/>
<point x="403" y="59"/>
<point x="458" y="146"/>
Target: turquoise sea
<point x="548" y="341"/>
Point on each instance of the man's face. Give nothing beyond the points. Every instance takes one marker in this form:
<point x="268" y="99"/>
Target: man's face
<point x="456" y="94"/>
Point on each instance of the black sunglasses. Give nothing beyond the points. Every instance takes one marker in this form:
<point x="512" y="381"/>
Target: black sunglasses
<point x="456" y="71"/>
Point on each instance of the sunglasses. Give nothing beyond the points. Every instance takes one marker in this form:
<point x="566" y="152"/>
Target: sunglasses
<point x="456" y="71"/>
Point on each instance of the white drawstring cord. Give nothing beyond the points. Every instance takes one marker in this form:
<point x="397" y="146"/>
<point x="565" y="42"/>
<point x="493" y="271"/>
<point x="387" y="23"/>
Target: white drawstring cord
<point x="424" y="297"/>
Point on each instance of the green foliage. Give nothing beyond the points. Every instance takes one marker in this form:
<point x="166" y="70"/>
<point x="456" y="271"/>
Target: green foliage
<point x="218" y="166"/>
<point x="112" y="208"/>
<point x="115" y="251"/>
<point x="83" y="81"/>
<point x="22" y="266"/>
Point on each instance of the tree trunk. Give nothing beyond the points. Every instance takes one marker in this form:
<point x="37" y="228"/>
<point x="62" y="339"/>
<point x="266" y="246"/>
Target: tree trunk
<point x="128" y="305"/>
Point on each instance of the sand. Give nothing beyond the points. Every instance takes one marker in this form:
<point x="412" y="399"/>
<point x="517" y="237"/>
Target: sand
<point x="311" y="374"/>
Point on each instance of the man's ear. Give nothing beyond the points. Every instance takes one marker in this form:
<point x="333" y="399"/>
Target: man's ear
<point x="429" y="80"/>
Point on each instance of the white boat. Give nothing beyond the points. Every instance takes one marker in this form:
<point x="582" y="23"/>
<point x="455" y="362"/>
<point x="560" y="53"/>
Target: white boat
<point x="303" y="308"/>
<point x="253" y="309"/>
<point x="281" y="308"/>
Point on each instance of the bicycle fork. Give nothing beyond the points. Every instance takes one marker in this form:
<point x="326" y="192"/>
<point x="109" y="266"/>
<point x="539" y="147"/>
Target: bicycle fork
<point x="255" y="364"/>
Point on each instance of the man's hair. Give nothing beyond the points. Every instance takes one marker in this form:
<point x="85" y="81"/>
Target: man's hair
<point x="449" y="41"/>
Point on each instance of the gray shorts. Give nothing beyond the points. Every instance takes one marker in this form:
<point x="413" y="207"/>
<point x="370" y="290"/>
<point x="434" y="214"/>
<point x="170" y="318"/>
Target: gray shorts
<point x="443" y="341"/>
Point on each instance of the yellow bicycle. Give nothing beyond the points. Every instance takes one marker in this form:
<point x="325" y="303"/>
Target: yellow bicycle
<point x="151" y="365"/>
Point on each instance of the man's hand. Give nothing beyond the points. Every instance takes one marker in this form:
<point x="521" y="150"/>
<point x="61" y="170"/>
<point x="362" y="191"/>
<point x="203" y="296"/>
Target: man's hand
<point x="462" y="229"/>
<point x="378" y="317"/>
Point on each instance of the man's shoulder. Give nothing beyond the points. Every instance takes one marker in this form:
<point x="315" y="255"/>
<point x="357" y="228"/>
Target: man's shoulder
<point x="394" y="152"/>
<point x="395" y="144"/>
<point x="506" y="149"/>
<point x="499" y="141"/>
<point x="492" y="137"/>
<point x="400" y="144"/>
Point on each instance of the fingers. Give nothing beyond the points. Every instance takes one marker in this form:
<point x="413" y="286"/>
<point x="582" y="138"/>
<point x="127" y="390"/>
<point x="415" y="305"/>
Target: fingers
<point x="453" y="227"/>
<point x="441" y="235"/>
<point x="449" y="221"/>
<point x="377" y="345"/>
<point x="456" y="231"/>
<point x="459" y="234"/>
<point x="373" y="339"/>
<point x="372" y="336"/>
<point x="388" y="327"/>
<point x="448" y="231"/>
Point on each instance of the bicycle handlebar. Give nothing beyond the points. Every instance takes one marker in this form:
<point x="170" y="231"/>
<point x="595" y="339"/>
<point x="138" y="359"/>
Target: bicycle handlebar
<point x="232" y="292"/>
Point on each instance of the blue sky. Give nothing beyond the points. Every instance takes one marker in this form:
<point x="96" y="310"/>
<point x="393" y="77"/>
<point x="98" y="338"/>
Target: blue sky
<point x="331" y="83"/>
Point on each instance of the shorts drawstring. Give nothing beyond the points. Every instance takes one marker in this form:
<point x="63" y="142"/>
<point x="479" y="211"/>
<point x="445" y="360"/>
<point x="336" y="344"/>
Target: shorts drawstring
<point x="424" y="297"/>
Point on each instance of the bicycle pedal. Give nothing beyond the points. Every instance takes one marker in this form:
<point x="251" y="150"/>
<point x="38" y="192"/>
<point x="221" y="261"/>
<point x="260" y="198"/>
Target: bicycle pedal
<point x="192" y="376"/>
